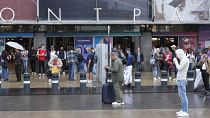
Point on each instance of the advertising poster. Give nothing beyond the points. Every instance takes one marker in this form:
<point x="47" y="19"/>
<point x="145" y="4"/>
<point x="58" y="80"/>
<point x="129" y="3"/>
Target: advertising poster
<point x="102" y="40"/>
<point x="187" y="42"/>
<point x="182" y="10"/>
<point x="204" y="36"/>
<point x="83" y="43"/>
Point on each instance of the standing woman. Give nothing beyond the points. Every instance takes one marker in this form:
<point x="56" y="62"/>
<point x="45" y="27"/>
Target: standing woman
<point x="4" y="63"/>
<point x="32" y="58"/>
<point x="25" y="60"/>
<point x="190" y="55"/>
<point x="205" y="70"/>
<point x="156" y="67"/>
<point x="41" y="54"/>
<point x="168" y="61"/>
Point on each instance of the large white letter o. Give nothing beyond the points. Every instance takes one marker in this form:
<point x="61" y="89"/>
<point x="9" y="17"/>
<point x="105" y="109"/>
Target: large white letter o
<point x="13" y="14"/>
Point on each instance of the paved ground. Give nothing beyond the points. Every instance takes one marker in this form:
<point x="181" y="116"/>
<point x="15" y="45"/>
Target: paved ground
<point x="135" y="113"/>
<point x="145" y="105"/>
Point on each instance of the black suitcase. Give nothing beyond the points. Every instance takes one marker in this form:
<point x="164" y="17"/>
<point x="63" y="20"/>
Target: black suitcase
<point x="108" y="93"/>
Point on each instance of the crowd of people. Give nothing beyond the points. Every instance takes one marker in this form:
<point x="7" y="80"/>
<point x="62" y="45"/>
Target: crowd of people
<point x="162" y="59"/>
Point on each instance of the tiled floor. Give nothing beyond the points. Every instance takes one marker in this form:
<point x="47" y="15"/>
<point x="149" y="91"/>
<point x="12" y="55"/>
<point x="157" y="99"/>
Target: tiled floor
<point x="136" y="113"/>
<point x="37" y="82"/>
<point x="146" y="105"/>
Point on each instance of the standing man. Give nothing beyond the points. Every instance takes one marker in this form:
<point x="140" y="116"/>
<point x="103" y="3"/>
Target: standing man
<point x="129" y="67"/>
<point x="139" y="57"/>
<point x="182" y="81"/>
<point x="198" y="50"/>
<point x="173" y="56"/>
<point x="62" y="55"/>
<point x="32" y="58"/>
<point x="17" y="61"/>
<point x="72" y="60"/>
<point x="90" y="65"/>
<point x="116" y="70"/>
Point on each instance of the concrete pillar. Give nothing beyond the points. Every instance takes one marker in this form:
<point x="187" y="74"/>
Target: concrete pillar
<point x="39" y="38"/>
<point x="146" y="46"/>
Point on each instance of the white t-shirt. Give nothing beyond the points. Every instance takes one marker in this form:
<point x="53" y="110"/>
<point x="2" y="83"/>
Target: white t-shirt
<point x="52" y="54"/>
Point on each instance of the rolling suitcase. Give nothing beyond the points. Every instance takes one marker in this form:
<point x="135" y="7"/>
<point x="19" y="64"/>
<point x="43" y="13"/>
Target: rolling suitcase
<point x="108" y="93"/>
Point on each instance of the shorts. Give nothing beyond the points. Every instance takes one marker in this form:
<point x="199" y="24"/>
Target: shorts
<point x="90" y="69"/>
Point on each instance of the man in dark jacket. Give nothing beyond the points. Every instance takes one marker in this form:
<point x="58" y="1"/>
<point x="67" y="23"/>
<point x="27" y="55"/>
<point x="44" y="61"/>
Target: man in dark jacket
<point x="62" y="55"/>
<point x="32" y="57"/>
<point x="139" y="57"/>
<point x="117" y="77"/>
<point x="17" y="61"/>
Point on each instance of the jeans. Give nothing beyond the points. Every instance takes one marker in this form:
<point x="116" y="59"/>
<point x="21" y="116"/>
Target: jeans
<point x="18" y="71"/>
<point x="156" y="71"/>
<point x="71" y="71"/>
<point x="5" y="73"/>
<point x="138" y="66"/>
<point x="205" y="77"/>
<point x="25" y="66"/>
<point x="168" y="68"/>
<point x="175" y="70"/>
<point x="33" y="65"/>
<point x="41" y="67"/>
<point x="182" y="94"/>
<point x="190" y="66"/>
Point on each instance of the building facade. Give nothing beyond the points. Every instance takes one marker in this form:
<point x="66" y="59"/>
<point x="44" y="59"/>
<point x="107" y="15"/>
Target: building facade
<point x="129" y="23"/>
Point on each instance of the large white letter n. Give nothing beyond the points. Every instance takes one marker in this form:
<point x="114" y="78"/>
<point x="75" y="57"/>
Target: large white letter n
<point x="51" y="12"/>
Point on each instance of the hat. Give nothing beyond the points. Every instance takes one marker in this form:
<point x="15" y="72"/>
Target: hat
<point x="173" y="46"/>
<point x="204" y="51"/>
<point x="52" y="46"/>
<point x="128" y="49"/>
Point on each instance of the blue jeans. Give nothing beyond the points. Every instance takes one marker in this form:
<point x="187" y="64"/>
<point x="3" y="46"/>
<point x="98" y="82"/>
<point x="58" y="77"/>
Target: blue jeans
<point x="182" y="94"/>
<point x="5" y="73"/>
<point x="25" y="66"/>
<point x="156" y="71"/>
<point x="71" y="71"/>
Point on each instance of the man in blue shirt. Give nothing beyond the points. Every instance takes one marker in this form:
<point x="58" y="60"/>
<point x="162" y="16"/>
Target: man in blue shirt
<point x="129" y="67"/>
<point x="90" y="65"/>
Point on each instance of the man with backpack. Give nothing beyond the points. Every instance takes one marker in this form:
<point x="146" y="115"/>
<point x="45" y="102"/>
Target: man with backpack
<point x="95" y="60"/>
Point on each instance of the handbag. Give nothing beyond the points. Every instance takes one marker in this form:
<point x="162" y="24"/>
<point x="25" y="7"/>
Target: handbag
<point x="55" y="70"/>
<point x="152" y="61"/>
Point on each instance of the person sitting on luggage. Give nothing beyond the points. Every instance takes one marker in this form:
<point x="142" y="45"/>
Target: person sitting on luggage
<point x="55" y="65"/>
<point x="116" y="70"/>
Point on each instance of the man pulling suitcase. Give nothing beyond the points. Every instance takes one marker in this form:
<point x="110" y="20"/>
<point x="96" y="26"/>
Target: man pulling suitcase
<point x="117" y="77"/>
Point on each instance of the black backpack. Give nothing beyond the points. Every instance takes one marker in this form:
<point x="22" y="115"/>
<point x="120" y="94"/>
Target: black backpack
<point x="133" y="60"/>
<point x="95" y="58"/>
<point x="80" y="57"/>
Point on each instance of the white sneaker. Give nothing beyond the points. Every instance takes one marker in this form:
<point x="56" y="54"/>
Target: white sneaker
<point x="183" y="114"/>
<point x="179" y="112"/>
<point x="116" y="103"/>
<point x="122" y="103"/>
<point x="49" y="80"/>
<point x="170" y="78"/>
<point x="154" y="78"/>
<point x="43" y="74"/>
<point x="159" y="78"/>
<point x="40" y="74"/>
<point x="64" y="73"/>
